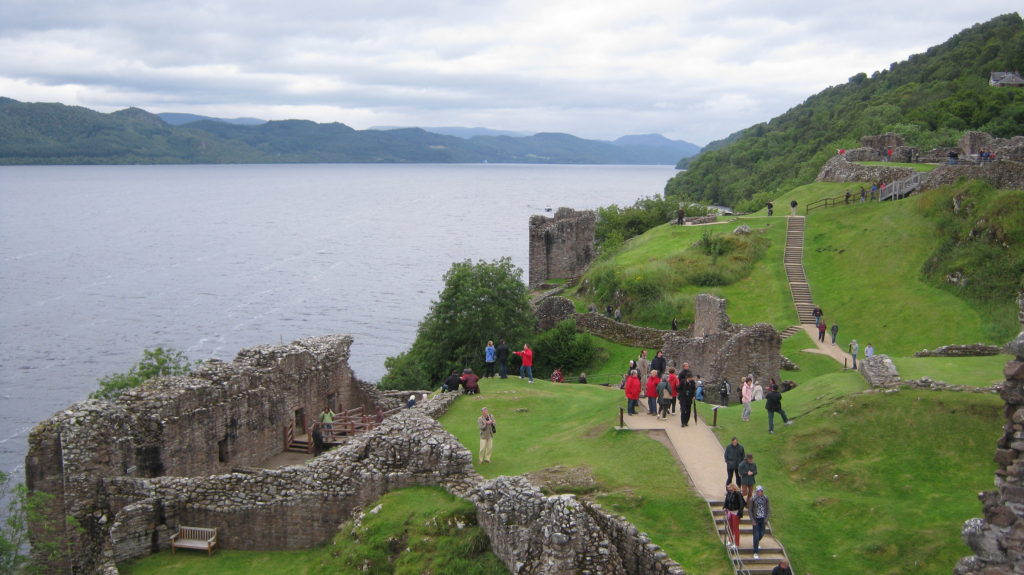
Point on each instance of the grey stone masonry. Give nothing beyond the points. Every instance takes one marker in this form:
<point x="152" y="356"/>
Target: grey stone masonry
<point x="561" y="247"/>
<point x="997" y="538"/>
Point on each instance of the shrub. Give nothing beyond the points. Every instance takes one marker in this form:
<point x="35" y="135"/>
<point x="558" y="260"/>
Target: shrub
<point x="563" y="347"/>
<point x="155" y="363"/>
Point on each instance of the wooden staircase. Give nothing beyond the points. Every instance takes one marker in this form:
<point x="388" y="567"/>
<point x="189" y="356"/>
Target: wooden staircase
<point x="770" y="553"/>
<point x="793" y="260"/>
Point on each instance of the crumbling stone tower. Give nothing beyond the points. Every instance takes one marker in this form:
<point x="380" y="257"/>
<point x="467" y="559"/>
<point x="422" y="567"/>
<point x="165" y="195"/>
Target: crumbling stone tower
<point x="561" y="247"/>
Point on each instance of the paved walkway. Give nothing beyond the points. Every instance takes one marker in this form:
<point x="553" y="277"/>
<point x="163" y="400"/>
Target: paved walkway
<point x="826" y="347"/>
<point x="703" y="457"/>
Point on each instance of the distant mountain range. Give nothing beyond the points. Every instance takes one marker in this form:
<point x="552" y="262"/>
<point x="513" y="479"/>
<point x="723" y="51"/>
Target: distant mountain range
<point x="46" y="133"/>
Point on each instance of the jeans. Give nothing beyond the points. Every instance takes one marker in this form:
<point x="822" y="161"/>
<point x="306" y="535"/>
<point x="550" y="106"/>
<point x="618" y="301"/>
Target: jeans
<point x="854" y="361"/>
<point x="503" y="369"/>
<point x="771" y="418"/>
<point x="652" y="405"/>
<point x="730" y="473"/>
<point x="489" y="369"/>
<point x="746" y="411"/>
<point x="631" y="406"/>
<point x="758" y="532"/>
<point x="526" y="371"/>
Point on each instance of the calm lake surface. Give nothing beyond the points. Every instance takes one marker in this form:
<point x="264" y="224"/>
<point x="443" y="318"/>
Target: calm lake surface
<point x="102" y="262"/>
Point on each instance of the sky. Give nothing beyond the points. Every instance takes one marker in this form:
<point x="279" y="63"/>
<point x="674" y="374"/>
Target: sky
<point x="690" y="70"/>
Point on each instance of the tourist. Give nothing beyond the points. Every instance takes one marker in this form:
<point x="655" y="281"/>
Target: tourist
<point x="583" y="377"/>
<point x="846" y="199"/>
<point x="771" y="208"/>
<point x="673" y="383"/>
<point x="733" y="506"/>
<point x="675" y="324"/>
<point x="724" y="389"/>
<point x="452" y="383"/>
<point x="632" y="387"/>
<point x="817" y="313"/>
<point x="792" y="208"/>
<point x="411" y="402"/>
<point x="821" y="330"/>
<point x="835" y="332"/>
<point x="869" y="350"/>
<point x="618" y="314"/>
<point x="664" y="392"/>
<point x="699" y="391"/>
<point x="686" y="395"/>
<point x="470" y="381"/>
<point x="658" y="363"/>
<point x="746" y="396"/>
<point x="501" y="353"/>
<point x="490" y="355"/>
<point x="748" y="475"/>
<point x="782" y="568"/>
<point x="526" y="369"/>
<point x="608" y="310"/>
<point x="556" y="376"/>
<point x="487" y="430"/>
<point x="773" y="403"/>
<point x="734" y="455"/>
<point x="854" y="348"/>
<point x="760" y="509"/>
<point x="318" y="439"/>
<point x="327" y="416"/>
<point x="758" y="394"/>
<point x="643" y="366"/>
<point x="651" y="392"/>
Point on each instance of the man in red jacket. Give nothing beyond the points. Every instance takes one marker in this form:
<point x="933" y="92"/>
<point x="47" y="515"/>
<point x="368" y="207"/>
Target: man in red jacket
<point x="527" y="356"/>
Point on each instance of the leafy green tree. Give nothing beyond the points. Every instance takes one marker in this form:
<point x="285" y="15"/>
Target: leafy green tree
<point x="479" y="302"/>
<point x="154" y="363"/>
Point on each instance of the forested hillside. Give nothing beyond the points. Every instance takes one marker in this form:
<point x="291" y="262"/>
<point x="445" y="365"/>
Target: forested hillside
<point x="58" y="134"/>
<point x="930" y="98"/>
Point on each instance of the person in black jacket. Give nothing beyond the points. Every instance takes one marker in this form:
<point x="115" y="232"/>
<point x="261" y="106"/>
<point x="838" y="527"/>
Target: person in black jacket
<point x="733" y="506"/>
<point x="773" y="403"/>
<point x="501" y="354"/>
<point x="658" y="363"/>
<point x="734" y="455"/>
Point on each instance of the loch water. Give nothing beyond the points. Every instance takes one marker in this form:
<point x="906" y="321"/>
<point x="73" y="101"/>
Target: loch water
<point x="102" y="262"/>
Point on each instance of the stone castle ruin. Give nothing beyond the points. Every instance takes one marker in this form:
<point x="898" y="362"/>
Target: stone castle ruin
<point x="561" y="247"/>
<point x="184" y="450"/>
<point x="715" y="347"/>
<point x="1008" y="172"/>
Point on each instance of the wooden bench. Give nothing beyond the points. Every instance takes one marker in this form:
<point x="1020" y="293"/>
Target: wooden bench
<point x="194" y="538"/>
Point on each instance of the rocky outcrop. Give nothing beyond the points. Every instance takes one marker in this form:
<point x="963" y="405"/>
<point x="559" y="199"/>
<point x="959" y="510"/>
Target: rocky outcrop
<point x="972" y="350"/>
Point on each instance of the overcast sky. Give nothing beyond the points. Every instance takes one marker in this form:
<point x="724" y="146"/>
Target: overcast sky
<point x="690" y="70"/>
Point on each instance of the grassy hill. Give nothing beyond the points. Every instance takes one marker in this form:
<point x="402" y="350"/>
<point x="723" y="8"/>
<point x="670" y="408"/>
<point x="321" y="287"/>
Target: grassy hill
<point x="930" y="99"/>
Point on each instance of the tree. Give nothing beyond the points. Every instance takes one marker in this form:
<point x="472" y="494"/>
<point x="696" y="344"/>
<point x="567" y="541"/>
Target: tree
<point x="154" y="363"/>
<point x="479" y="302"/>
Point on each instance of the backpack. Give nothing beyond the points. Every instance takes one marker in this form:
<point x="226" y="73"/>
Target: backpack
<point x="666" y="394"/>
<point x="724" y="388"/>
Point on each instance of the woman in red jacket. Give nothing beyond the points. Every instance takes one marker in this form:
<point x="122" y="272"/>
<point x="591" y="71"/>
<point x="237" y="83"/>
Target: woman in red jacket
<point x="632" y="392"/>
<point x="527" y="356"/>
<point x="652" y="392"/>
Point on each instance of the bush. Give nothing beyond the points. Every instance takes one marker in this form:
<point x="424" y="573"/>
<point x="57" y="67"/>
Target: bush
<point x="563" y="347"/>
<point x="155" y="363"/>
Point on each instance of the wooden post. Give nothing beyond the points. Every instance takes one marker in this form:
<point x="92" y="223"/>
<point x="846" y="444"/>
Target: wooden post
<point x="622" y="422"/>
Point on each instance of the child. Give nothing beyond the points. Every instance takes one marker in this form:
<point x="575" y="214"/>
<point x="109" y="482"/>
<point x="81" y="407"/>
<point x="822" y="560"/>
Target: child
<point x="700" y="389"/>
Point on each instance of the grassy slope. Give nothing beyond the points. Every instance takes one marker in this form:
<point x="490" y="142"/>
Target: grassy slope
<point x="545" y="425"/>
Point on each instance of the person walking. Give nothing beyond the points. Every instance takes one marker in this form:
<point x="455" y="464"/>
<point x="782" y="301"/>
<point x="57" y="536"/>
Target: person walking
<point x="746" y="396"/>
<point x="760" y="509"/>
<point x="869" y="350"/>
<point x="835" y="332"/>
<point x="792" y="208"/>
<point x="643" y="366"/>
<point x="817" y="313"/>
<point x="759" y="391"/>
<point x="490" y="356"/>
<point x="664" y="391"/>
<point x="651" y="388"/>
<point x="487" y="429"/>
<point x="821" y="330"/>
<point x="773" y="403"/>
<point x="673" y="383"/>
<point x="501" y="354"/>
<point x="688" y="389"/>
<point x="526" y="369"/>
<point x="659" y="363"/>
<point x="734" y="455"/>
<point x="748" y="475"/>
<point x="854" y="348"/>
<point x="632" y="389"/>
<point x="733" y="506"/>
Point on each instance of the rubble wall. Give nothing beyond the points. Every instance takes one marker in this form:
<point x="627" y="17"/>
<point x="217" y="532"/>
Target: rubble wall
<point x="561" y="247"/>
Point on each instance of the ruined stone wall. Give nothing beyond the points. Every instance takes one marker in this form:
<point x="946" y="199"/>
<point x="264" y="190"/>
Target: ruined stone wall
<point x="532" y="533"/>
<point x="562" y="246"/>
<point x="843" y="169"/>
<point x="1005" y="148"/>
<point x="619" y="332"/>
<point x="1004" y="174"/>
<point x="709" y="316"/>
<point x="224" y="416"/>
<point x="997" y="539"/>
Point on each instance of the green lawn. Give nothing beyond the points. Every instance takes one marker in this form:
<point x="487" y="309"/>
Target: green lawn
<point x="973" y="371"/>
